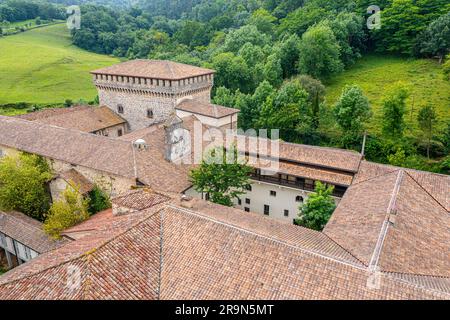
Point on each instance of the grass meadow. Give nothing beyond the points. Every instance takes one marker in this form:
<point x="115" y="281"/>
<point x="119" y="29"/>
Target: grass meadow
<point x="42" y="66"/>
<point x="375" y="74"/>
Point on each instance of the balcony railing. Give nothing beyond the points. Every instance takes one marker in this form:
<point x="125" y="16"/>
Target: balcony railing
<point x="298" y="183"/>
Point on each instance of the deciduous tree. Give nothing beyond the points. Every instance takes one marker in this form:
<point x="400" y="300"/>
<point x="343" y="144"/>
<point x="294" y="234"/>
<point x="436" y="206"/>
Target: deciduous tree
<point x="224" y="181"/>
<point x="394" y="108"/>
<point x="318" y="208"/>
<point x="23" y="180"/>
<point x="319" y="53"/>
<point x="427" y="120"/>
<point x="352" y="111"/>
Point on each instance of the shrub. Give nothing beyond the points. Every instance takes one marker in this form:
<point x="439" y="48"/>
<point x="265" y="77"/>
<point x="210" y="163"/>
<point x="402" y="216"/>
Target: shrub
<point x="98" y="201"/>
<point x="66" y="212"/>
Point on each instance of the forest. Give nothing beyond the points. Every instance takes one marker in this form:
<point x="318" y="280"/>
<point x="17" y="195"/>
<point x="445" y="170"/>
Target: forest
<point x="274" y="59"/>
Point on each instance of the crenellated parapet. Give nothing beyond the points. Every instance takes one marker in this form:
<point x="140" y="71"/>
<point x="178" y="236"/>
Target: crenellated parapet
<point x="145" y="92"/>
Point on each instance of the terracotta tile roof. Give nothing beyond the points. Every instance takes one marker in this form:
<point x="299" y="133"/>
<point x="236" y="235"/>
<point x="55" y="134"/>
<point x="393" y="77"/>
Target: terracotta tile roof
<point x="76" y="179"/>
<point x="87" y="119"/>
<point x="308" y="172"/>
<point x="72" y="146"/>
<point x="139" y="199"/>
<point x="155" y="69"/>
<point x="437" y="185"/>
<point x="50" y="112"/>
<point x="27" y="231"/>
<point x="205" y="252"/>
<point x="206" y="109"/>
<point x="152" y="168"/>
<point x="115" y="156"/>
<point x="340" y="160"/>
<point x="393" y="223"/>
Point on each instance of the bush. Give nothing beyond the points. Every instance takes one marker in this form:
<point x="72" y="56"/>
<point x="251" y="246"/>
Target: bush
<point x="98" y="201"/>
<point x="66" y="212"/>
<point x="68" y="103"/>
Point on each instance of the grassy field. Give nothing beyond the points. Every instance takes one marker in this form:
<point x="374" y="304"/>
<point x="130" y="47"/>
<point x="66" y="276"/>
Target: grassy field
<point x="42" y="66"/>
<point x="374" y="74"/>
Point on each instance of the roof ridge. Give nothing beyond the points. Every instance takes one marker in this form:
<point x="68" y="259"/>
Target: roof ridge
<point x="374" y="177"/>
<point x="350" y="253"/>
<point x="84" y="254"/>
<point x="170" y="67"/>
<point x="17" y="219"/>
<point x="428" y="193"/>
<point x="385" y="226"/>
<point x="353" y="152"/>
<point x="418" y="275"/>
<point x="392" y="276"/>
<point x="243" y="229"/>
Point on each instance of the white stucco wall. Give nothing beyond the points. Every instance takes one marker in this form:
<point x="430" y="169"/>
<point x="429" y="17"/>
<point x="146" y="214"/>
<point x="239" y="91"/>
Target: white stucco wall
<point x="259" y="196"/>
<point x="228" y="122"/>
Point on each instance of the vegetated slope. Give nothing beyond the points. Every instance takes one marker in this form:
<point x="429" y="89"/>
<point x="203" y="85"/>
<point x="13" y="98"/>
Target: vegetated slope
<point x="42" y="66"/>
<point x="376" y="73"/>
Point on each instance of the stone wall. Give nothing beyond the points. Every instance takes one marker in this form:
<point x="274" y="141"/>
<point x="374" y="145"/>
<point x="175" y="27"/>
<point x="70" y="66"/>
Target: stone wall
<point x="137" y="96"/>
<point x="135" y="107"/>
<point x="113" y="185"/>
<point x="113" y="131"/>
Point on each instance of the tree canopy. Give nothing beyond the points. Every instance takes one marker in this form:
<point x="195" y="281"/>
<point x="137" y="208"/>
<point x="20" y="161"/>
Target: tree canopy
<point x="318" y="208"/>
<point x="23" y="180"/>
<point x="221" y="176"/>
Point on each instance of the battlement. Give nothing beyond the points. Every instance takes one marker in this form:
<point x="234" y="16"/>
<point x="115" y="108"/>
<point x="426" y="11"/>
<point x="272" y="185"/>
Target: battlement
<point x="145" y="92"/>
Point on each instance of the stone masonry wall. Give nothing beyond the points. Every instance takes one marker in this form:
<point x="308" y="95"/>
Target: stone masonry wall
<point x="111" y="184"/>
<point x="136" y="96"/>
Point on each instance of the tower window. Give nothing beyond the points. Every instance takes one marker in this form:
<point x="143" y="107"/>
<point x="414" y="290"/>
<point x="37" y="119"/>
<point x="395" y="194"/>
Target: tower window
<point x="150" y="113"/>
<point x="119" y="132"/>
<point x="273" y="193"/>
<point x="286" y="213"/>
<point x="266" y="209"/>
<point x="247" y="209"/>
<point x="120" y="109"/>
<point x="298" y="199"/>
<point x="247" y="200"/>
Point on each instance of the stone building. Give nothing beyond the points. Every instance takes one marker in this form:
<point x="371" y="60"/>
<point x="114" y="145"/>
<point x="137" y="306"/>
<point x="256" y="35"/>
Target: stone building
<point x="92" y="119"/>
<point x="22" y="239"/>
<point x="145" y="92"/>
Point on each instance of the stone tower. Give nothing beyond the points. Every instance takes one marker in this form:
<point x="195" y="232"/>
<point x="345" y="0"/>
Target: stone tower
<point x="145" y="92"/>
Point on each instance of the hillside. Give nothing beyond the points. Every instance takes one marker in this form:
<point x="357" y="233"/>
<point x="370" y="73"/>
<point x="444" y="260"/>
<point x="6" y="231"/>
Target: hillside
<point x="374" y="74"/>
<point x="42" y="66"/>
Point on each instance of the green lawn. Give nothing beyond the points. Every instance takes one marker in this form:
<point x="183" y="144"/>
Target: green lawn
<point x="374" y="74"/>
<point x="42" y="66"/>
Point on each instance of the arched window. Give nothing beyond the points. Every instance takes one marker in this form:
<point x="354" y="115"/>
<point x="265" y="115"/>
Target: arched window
<point x="150" y="113"/>
<point x="299" y="199"/>
<point x="120" y="109"/>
